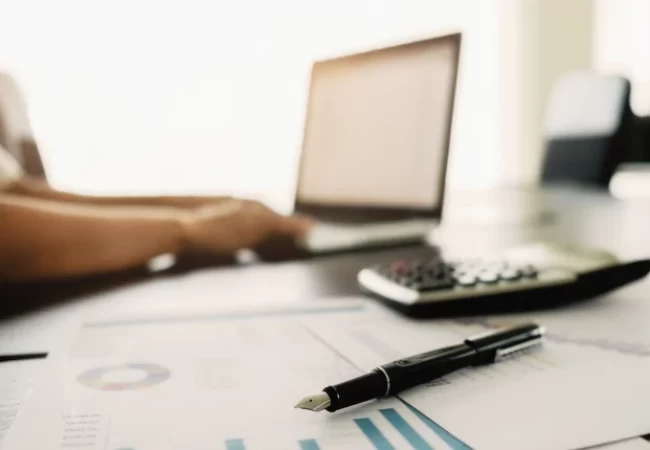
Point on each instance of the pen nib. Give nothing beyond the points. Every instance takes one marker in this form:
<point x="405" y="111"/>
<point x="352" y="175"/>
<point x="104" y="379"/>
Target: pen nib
<point x="316" y="402"/>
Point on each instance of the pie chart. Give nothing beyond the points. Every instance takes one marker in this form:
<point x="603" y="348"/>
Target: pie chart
<point x="124" y="377"/>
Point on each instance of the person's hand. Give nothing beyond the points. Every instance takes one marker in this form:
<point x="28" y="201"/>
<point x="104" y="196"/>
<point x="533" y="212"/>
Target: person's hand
<point x="225" y="227"/>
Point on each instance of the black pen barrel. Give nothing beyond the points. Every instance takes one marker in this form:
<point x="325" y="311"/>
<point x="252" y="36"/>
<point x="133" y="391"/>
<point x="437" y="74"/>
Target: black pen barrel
<point x="357" y="390"/>
<point x="405" y="373"/>
<point x="425" y="367"/>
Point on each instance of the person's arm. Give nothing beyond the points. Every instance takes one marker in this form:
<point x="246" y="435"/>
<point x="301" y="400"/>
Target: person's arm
<point x="37" y="188"/>
<point x="46" y="239"/>
<point x="41" y="239"/>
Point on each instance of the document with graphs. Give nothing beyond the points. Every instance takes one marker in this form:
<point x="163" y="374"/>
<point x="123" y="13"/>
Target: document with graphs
<point x="229" y="380"/>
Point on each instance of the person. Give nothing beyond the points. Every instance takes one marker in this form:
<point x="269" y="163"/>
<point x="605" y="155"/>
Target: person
<point x="46" y="233"/>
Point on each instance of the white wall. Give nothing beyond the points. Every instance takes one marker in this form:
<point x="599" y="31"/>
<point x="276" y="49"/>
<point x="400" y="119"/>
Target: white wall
<point x="214" y="89"/>
<point x="211" y="94"/>
<point x="622" y="45"/>
<point x="539" y="40"/>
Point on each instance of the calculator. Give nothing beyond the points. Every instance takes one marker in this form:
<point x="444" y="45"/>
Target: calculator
<point x="436" y="286"/>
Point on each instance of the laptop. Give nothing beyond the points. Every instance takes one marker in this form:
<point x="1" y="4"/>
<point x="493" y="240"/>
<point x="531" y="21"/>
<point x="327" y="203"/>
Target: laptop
<point x="376" y="139"/>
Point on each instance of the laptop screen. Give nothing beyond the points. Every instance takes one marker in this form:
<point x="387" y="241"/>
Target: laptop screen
<point x="377" y="127"/>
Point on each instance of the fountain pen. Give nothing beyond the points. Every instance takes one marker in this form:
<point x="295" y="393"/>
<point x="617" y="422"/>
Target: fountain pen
<point x="389" y="379"/>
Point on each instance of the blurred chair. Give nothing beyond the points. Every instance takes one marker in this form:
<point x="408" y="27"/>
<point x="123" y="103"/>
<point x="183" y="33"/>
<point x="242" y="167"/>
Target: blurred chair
<point x="589" y="128"/>
<point x="644" y="130"/>
<point x="15" y="129"/>
<point x="632" y="180"/>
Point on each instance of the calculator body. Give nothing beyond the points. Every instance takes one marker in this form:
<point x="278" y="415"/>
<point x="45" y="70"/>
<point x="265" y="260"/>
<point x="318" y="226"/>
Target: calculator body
<point x="439" y="287"/>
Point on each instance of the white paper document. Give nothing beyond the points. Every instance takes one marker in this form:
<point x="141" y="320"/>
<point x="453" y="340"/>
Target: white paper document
<point x="615" y="322"/>
<point x="229" y="380"/>
<point x="629" y="444"/>
<point x="27" y="334"/>
<point x="17" y="380"/>
<point x="564" y="396"/>
<point x="226" y="381"/>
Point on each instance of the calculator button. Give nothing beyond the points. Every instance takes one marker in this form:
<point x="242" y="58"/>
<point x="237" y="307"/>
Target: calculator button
<point x="510" y="274"/>
<point x="404" y="281"/>
<point x="488" y="277"/>
<point x="419" y="269"/>
<point x="467" y="267"/>
<point x="528" y="271"/>
<point x="467" y="280"/>
<point x="435" y="276"/>
<point x="399" y="266"/>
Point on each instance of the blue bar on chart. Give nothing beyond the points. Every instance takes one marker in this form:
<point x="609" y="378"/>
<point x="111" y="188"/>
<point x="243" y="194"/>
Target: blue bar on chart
<point x="235" y="444"/>
<point x="452" y="441"/>
<point x="373" y="434"/>
<point x="406" y="430"/>
<point x="308" y="444"/>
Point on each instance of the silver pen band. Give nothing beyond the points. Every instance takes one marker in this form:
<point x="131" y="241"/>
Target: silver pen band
<point x="381" y="369"/>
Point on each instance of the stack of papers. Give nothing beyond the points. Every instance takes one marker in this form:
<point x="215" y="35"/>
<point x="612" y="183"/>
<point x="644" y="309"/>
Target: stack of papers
<point x="229" y="380"/>
<point x="17" y="380"/>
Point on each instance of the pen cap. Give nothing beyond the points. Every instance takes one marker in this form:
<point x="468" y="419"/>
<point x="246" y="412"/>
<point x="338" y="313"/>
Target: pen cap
<point x="488" y="344"/>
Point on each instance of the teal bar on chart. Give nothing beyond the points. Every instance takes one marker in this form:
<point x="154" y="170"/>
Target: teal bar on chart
<point x="308" y="444"/>
<point x="235" y="444"/>
<point x="407" y="431"/>
<point x="373" y="434"/>
<point x="452" y="441"/>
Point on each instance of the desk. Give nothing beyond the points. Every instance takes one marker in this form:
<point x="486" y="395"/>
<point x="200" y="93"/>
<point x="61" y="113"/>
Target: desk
<point x="584" y="217"/>
<point x="580" y="217"/>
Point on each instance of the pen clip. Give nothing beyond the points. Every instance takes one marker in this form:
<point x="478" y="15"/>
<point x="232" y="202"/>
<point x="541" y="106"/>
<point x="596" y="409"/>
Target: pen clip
<point x="505" y="353"/>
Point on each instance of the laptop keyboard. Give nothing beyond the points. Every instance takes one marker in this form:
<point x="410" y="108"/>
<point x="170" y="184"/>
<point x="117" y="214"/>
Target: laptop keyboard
<point x="327" y="236"/>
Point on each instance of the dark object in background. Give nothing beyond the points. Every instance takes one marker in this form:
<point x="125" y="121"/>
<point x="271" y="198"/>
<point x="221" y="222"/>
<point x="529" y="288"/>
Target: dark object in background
<point x="644" y="134"/>
<point x="21" y="357"/>
<point x="590" y="129"/>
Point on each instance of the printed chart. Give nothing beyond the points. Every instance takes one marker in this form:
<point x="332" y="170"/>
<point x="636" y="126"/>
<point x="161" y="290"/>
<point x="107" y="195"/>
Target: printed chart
<point x="373" y="431"/>
<point x="226" y="381"/>
<point x="97" y="378"/>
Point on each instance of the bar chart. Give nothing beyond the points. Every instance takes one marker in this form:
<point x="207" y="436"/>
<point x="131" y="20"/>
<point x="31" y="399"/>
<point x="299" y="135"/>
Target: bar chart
<point x="381" y="435"/>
